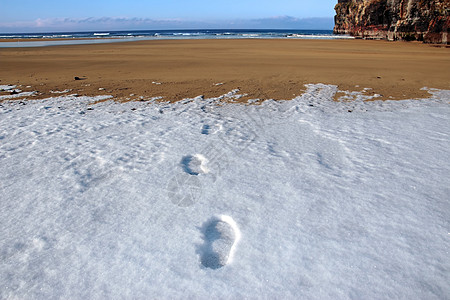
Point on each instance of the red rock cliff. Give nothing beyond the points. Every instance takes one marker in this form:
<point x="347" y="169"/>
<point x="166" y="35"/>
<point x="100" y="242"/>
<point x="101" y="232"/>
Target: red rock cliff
<point x="423" y="20"/>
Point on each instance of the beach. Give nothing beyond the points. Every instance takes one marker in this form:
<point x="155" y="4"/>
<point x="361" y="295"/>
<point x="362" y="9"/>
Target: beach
<point x="259" y="69"/>
<point x="225" y="149"/>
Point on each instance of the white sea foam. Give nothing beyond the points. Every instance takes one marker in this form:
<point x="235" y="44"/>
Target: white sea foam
<point x="56" y="36"/>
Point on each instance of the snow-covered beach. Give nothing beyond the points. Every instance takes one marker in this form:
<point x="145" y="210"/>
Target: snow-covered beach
<point x="302" y="199"/>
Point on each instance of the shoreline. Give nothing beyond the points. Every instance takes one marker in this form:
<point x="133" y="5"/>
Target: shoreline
<point x="24" y="40"/>
<point x="260" y="68"/>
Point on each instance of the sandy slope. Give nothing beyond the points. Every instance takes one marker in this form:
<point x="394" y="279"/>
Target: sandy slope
<point x="261" y="68"/>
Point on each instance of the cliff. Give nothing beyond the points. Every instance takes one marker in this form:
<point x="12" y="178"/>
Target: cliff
<point x="422" y="20"/>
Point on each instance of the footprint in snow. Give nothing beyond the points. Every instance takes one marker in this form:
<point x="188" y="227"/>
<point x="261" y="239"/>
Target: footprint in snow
<point x="184" y="190"/>
<point x="221" y="235"/>
<point x="211" y="129"/>
<point x="206" y="129"/>
<point x="194" y="164"/>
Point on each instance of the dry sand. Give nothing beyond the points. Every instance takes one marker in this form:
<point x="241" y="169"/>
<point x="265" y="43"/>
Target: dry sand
<point x="264" y="69"/>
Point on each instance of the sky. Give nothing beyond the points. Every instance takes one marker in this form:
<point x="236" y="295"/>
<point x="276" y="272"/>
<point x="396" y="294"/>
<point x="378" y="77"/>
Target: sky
<point x="79" y="15"/>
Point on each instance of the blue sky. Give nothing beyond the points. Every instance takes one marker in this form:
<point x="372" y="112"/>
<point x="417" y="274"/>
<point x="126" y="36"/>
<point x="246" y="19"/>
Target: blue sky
<point x="52" y="15"/>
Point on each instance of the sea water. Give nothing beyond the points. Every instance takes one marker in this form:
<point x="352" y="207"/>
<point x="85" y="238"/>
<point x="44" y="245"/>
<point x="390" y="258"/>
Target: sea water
<point x="91" y="37"/>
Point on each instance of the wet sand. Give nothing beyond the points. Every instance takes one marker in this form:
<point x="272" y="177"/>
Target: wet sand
<point x="264" y="69"/>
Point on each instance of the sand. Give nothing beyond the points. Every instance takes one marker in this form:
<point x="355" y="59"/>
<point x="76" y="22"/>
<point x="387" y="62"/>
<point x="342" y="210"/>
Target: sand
<point x="264" y="69"/>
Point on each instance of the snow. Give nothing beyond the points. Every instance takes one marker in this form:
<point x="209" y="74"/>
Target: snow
<point x="19" y="94"/>
<point x="149" y="200"/>
<point x="61" y="92"/>
<point x="6" y="87"/>
<point x="221" y="235"/>
<point x="195" y="164"/>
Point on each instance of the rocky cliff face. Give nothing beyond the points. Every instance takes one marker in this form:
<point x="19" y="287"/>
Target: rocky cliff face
<point x="423" y="20"/>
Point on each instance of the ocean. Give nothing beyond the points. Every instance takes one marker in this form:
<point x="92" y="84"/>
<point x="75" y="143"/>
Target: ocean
<point x="211" y="34"/>
<point x="120" y="36"/>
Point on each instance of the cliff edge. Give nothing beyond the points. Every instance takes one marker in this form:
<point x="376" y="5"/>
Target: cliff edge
<point x="421" y="20"/>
